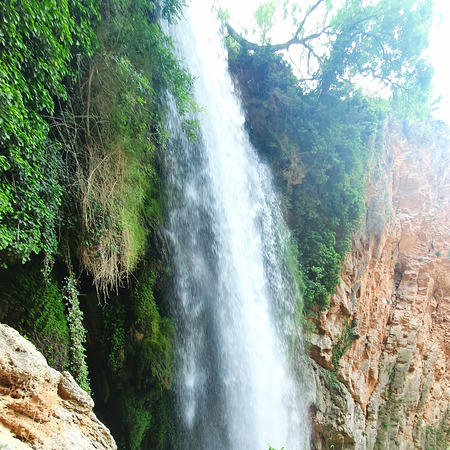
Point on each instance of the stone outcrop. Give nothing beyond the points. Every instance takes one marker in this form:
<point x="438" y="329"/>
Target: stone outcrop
<point x="41" y="407"/>
<point x="393" y="306"/>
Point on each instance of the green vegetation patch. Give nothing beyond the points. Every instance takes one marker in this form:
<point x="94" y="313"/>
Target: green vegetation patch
<point x="38" y="43"/>
<point x="348" y="336"/>
<point x="320" y="148"/>
<point x="34" y="307"/>
<point x="137" y="356"/>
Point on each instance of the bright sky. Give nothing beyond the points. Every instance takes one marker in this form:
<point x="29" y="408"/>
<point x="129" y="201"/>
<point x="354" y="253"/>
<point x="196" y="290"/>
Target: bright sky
<point x="438" y="53"/>
<point x="241" y="12"/>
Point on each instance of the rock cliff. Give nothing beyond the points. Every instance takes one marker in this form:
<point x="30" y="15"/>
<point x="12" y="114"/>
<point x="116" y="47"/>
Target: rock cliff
<point x="41" y="407"/>
<point x="387" y="333"/>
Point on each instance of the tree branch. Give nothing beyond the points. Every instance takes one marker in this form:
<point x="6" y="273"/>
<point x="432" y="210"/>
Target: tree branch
<point x="308" y="13"/>
<point x="241" y="40"/>
<point x="272" y="47"/>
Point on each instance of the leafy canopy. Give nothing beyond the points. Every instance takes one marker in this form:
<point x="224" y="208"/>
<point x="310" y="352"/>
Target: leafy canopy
<point x="335" y="45"/>
<point x="38" y="44"/>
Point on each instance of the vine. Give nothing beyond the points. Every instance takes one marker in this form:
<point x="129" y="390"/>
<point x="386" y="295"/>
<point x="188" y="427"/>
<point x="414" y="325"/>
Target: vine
<point x="77" y="333"/>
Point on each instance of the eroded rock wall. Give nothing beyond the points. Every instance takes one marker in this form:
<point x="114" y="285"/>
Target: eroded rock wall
<point x="394" y="298"/>
<point x="41" y="407"/>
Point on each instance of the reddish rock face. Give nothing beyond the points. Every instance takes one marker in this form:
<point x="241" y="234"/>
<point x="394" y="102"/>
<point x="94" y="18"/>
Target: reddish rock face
<point x="395" y="289"/>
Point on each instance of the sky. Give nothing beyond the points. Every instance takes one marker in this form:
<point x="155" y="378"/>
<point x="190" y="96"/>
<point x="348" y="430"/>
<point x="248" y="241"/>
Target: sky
<point x="241" y="16"/>
<point x="438" y="53"/>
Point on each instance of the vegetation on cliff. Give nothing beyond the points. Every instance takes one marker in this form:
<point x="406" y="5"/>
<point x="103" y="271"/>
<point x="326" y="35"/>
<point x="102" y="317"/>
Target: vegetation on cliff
<point x="324" y="129"/>
<point x="38" y="53"/>
<point x="82" y="127"/>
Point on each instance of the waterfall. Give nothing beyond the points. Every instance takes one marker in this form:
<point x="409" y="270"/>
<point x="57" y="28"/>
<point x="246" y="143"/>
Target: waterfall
<point x="234" y="299"/>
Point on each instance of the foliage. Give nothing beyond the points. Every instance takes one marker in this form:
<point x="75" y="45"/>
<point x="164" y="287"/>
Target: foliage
<point x="366" y="44"/>
<point x="114" y="335"/>
<point x="137" y="349"/>
<point x="82" y="128"/>
<point x="114" y="134"/>
<point x="320" y="151"/>
<point x="137" y="419"/>
<point x="116" y="171"/>
<point x="34" y="307"/>
<point x="348" y="336"/>
<point x="328" y="204"/>
<point x="337" y="45"/>
<point x="151" y="356"/>
<point x="78" y="366"/>
<point x="129" y="30"/>
<point x="334" y="385"/>
<point x="92" y="152"/>
<point x="291" y="256"/>
<point x="35" y="54"/>
<point x="154" y="337"/>
<point x="264" y="16"/>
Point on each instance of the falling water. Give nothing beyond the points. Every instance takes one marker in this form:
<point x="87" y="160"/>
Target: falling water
<point x="234" y="298"/>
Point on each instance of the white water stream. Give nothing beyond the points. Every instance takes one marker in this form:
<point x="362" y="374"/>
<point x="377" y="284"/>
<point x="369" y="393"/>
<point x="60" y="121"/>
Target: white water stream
<point x="234" y="298"/>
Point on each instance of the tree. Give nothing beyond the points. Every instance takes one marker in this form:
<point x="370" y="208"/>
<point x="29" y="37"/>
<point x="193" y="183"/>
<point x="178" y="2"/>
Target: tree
<point x="382" y="40"/>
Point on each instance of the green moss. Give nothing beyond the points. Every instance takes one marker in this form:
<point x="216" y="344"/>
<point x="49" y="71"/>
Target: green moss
<point x="136" y="352"/>
<point x="34" y="307"/>
<point x="152" y="346"/>
<point x="114" y="335"/>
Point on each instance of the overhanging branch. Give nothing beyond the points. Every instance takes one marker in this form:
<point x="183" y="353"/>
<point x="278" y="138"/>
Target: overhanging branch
<point x="248" y="45"/>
